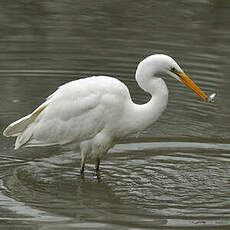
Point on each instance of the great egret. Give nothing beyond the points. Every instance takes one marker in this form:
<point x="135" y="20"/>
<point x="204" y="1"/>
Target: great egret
<point x="95" y="112"/>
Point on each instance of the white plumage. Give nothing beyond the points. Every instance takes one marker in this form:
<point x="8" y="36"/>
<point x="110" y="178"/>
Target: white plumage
<point x="95" y="112"/>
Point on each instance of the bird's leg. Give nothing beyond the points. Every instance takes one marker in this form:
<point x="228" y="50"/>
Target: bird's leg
<point x="98" y="176"/>
<point x="82" y="166"/>
<point x="83" y="158"/>
<point x="97" y="164"/>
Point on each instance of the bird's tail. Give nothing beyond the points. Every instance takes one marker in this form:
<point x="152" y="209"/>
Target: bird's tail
<point x="16" y="128"/>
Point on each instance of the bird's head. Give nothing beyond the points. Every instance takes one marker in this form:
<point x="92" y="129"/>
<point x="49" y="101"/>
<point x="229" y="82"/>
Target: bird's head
<point x="167" y="65"/>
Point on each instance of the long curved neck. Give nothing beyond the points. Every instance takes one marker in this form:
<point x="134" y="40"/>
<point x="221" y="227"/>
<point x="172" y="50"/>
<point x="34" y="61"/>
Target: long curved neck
<point x="142" y="116"/>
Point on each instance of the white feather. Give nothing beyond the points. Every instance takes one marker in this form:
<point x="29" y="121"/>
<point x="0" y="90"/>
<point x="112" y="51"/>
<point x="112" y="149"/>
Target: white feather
<point x="93" y="113"/>
<point x="75" y="111"/>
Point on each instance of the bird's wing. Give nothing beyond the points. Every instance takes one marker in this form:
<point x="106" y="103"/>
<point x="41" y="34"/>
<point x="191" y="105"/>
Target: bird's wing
<point x="77" y="111"/>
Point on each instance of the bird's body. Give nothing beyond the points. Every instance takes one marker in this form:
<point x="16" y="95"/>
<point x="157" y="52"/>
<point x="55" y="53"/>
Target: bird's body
<point x="95" y="112"/>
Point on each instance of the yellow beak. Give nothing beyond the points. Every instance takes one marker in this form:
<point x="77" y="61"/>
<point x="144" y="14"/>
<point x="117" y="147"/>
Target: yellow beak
<point x="191" y="85"/>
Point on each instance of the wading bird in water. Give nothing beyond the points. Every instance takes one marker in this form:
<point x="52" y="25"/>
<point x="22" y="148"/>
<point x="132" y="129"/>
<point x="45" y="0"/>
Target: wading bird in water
<point x="95" y="112"/>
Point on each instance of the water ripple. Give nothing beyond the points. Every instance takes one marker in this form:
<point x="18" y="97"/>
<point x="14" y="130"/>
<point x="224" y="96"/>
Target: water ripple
<point x="172" y="182"/>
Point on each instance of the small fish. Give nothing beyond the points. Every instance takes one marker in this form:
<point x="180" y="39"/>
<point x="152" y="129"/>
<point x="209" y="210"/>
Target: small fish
<point x="211" y="98"/>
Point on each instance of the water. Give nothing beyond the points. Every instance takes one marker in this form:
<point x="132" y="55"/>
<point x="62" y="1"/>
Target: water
<point x="176" y="174"/>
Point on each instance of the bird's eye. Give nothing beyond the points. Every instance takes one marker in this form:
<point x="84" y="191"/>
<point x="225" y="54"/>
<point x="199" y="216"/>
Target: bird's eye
<point x="173" y="69"/>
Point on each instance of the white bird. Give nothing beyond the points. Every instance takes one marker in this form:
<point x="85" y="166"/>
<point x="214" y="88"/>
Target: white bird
<point x="95" y="112"/>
